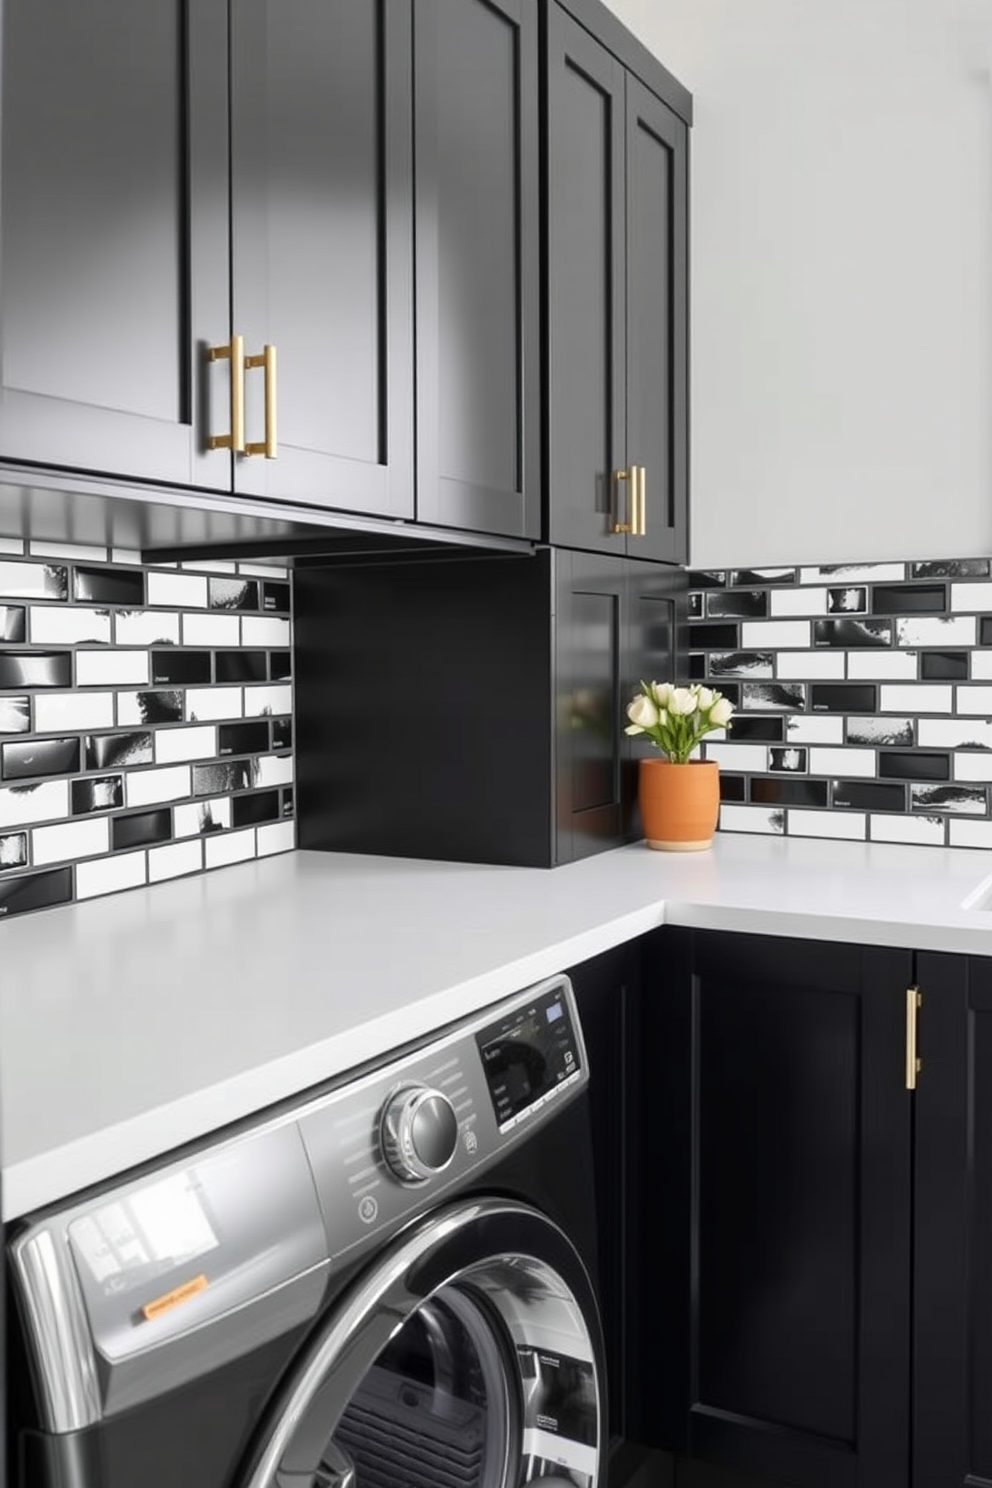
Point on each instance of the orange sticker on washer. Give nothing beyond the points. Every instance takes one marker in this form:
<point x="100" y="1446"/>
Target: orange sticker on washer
<point x="172" y="1299"/>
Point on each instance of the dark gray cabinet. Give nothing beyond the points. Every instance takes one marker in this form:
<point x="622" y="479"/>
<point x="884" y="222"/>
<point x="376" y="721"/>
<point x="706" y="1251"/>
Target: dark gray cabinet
<point x="505" y="681"/>
<point x="617" y="284"/>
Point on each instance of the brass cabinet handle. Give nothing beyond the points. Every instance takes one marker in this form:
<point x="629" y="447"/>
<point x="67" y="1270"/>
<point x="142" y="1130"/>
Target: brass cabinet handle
<point x="234" y="352"/>
<point x="639" y="508"/>
<point x="267" y="446"/>
<point x="630" y="476"/>
<point x="914" y="1001"/>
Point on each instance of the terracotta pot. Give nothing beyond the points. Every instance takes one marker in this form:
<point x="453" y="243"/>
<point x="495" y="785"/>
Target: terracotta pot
<point x="679" y="803"/>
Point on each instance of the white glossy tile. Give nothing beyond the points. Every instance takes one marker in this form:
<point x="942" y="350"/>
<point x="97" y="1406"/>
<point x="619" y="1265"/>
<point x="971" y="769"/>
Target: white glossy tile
<point x="973" y="699"/>
<point x="185" y="591"/>
<point x="274" y="769"/>
<point x="173" y="745"/>
<point x="969" y="833"/>
<point x="263" y="570"/>
<point x="839" y="574"/>
<point x="873" y="665"/>
<point x="111" y="668"/>
<point x="11" y="545"/>
<point x="846" y="825"/>
<point x="737" y="757"/>
<point x="971" y="598"/>
<point x="33" y="581"/>
<point x="820" y="728"/>
<point x="975" y="766"/>
<point x="146" y="628"/>
<point x="174" y="860"/>
<point x="954" y="733"/>
<point x="202" y="817"/>
<point x="935" y="630"/>
<point x="734" y="818"/>
<point x="265" y="630"/>
<point x="814" y="666"/>
<point x="84" y="838"/>
<point x="211" y="565"/>
<point x="231" y="847"/>
<point x="211" y="630"/>
<point x="981" y="666"/>
<point x="108" y="875"/>
<point x="762" y="635"/>
<point x="151" y="787"/>
<point x="924" y="697"/>
<point x="204" y="703"/>
<point x="74" y="552"/>
<point x="927" y="831"/>
<point x="849" y="762"/>
<point x="276" y="837"/>
<point x="22" y="804"/>
<point x="61" y="625"/>
<point x="127" y="556"/>
<point x="786" y="601"/>
<point x="58" y="711"/>
<point x="263" y="700"/>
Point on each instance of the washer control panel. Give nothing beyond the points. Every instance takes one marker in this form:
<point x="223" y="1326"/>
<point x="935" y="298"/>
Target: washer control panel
<point x="386" y="1144"/>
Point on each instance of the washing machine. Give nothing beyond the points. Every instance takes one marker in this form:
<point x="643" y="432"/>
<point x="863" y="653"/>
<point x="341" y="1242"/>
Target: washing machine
<point x="389" y="1283"/>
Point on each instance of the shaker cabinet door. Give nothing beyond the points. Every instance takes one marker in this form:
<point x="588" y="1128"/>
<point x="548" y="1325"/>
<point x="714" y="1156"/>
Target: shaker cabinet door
<point x="478" y="265"/>
<point x="321" y="192"/>
<point x="114" y="237"/>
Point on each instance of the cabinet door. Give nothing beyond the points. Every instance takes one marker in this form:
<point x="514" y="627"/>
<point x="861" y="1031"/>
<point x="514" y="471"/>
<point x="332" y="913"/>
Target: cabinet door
<point x="478" y="265"/>
<point x="114" y="236"/>
<point x="586" y="288"/>
<point x="952" y="1423"/>
<point x="798" y="1241"/>
<point x="657" y="322"/>
<point x="323" y="247"/>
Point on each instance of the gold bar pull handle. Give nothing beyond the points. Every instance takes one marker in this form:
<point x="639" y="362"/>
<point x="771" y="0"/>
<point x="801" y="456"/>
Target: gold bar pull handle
<point x="639" y="515"/>
<point x="234" y="352"/>
<point x="914" y="1001"/>
<point x="268" y="446"/>
<point x="630" y="476"/>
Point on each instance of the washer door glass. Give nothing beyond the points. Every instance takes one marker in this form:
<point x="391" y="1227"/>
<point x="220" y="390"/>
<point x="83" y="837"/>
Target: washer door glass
<point x="458" y="1361"/>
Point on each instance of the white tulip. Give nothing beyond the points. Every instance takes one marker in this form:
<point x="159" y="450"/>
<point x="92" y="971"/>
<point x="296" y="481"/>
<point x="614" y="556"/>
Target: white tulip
<point x="662" y="693"/>
<point x="643" y="712"/>
<point x="705" y="698"/>
<point x="721" y="712"/>
<point x="633" y="728"/>
<point x="682" y="701"/>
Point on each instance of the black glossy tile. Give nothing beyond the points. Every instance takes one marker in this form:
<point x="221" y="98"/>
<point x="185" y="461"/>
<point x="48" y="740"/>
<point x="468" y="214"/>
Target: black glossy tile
<point x="732" y="787"/>
<point x="241" y="666"/>
<point x="105" y="751"/>
<point x="952" y="568"/>
<point x="233" y="594"/>
<point x="985" y="630"/>
<point x="852" y="634"/>
<point x="276" y="598"/>
<point x="259" y="806"/>
<point x="139" y="828"/>
<point x="97" y="793"/>
<point x="843" y="697"/>
<point x="109" y="586"/>
<point x="218" y="779"/>
<point x="181" y="668"/>
<point x="695" y="605"/>
<point x="697" y="666"/>
<point x="287" y="801"/>
<point x="869" y="795"/>
<point x="944" y="666"/>
<point x="787" y="759"/>
<point x="35" y="891"/>
<point x="909" y="599"/>
<point x="737" y="604"/>
<point x="35" y="668"/>
<point x="281" y="666"/>
<point x="39" y="757"/>
<point x="12" y="624"/>
<point x="282" y="733"/>
<point x="707" y="578"/>
<point x="243" y="738"/>
<point x="770" y="730"/>
<point x="915" y="764"/>
<point x="786" y="791"/>
<point x="719" y="637"/>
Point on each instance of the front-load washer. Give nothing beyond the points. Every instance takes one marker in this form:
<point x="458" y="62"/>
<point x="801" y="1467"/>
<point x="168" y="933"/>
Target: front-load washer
<point x="388" y="1283"/>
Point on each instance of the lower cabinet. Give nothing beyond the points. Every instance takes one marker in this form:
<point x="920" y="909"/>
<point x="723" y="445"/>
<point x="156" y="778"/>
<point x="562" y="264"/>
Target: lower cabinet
<point x="821" y="1313"/>
<point x="472" y="709"/>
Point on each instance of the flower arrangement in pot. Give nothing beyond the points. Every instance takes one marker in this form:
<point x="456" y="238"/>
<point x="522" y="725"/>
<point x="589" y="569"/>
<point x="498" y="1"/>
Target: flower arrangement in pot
<point x="679" y="797"/>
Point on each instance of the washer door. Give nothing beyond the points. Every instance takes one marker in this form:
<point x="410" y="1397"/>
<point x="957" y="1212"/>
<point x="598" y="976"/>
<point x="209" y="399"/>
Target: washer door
<point x="469" y="1356"/>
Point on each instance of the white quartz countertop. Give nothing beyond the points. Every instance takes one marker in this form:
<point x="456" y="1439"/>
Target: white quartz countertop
<point x="132" y="1024"/>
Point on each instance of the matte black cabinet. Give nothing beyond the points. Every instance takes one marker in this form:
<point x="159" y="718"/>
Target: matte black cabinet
<point x="617" y="174"/>
<point x="504" y="681"/>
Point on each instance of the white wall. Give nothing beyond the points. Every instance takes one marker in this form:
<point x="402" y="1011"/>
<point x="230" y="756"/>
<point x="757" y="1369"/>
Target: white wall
<point x="841" y="269"/>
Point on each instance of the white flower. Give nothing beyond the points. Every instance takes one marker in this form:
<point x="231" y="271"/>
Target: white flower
<point x="705" y="697"/>
<point x="662" y="693"/>
<point x="682" y="701"/>
<point x="721" y="712"/>
<point x="642" y="712"/>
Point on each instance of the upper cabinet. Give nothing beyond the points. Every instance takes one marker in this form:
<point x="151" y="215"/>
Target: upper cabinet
<point x="617" y="175"/>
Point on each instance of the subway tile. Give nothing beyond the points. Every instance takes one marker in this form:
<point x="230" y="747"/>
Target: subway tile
<point x="182" y="590"/>
<point x="852" y="634"/>
<point x="913" y="764"/>
<point x="105" y="751"/>
<point x="282" y="732"/>
<point x="174" y="745"/>
<point x="230" y="847"/>
<point x="275" y="769"/>
<point x="140" y="829"/>
<point x="869" y="795"/>
<point x="222" y="777"/>
<point x="280" y="666"/>
<point x="109" y="586"/>
<point x="11" y="545"/>
<point x="969" y="833"/>
<point x="245" y="738"/>
<point x="163" y="706"/>
<point x="33" y="581"/>
<point x="14" y="850"/>
<point x="199" y="818"/>
<point x="809" y="664"/>
<point x="955" y="733"/>
<point x="882" y="666"/>
<point x="975" y="766"/>
<point x="694" y="605"/>
<point x="973" y="699"/>
<point x="970" y="799"/>
<point x="736" y="604"/>
<point x="770" y="729"/>
<point x="125" y="556"/>
<point x="110" y="875"/>
<point x="276" y="598"/>
<point x="276" y="837"/>
<point x="981" y="666"/>
<point x="211" y="630"/>
<point x="241" y="666"/>
<point x="175" y="861"/>
<point x="777" y="634"/>
<point x="847" y="761"/>
<point x="264" y="700"/>
<point x="804" y="728"/>
<point x="848" y="825"/>
<point x="211" y="565"/>
<point x="767" y="821"/>
<point x="738" y="756"/>
<point x="264" y="570"/>
<point x="255" y="807"/>
<point x="146" y="628"/>
<point x="764" y="696"/>
<point x="944" y="666"/>
<point x="925" y="697"/>
<point x="697" y="666"/>
<point x="213" y="703"/>
<point x="926" y="831"/>
<point x="74" y="552"/>
<point x="785" y="790"/>
<point x="111" y="668"/>
<point x="851" y="599"/>
<point x="951" y="568"/>
<point x="740" y="664"/>
<point x="35" y="891"/>
<point x="971" y="598"/>
<point x="936" y="630"/>
<point x="722" y="637"/>
<point x="86" y="837"/>
<point x="97" y="793"/>
<point x="13" y="625"/>
<point x="287" y="801"/>
<point x="55" y="712"/>
<point x="15" y="715"/>
<point x="732" y="787"/>
<point x="849" y="573"/>
<point x="181" y="668"/>
<point x="782" y="602"/>
<point x="21" y="761"/>
<point x="35" y="668"/>
<point x="234" y="594"/>
<point x="829" y="697"/>
<point x="880" y="729"/>
<point x="264" y="630"/>
<point x="905" y="599"/>
<point x="707" y="578"/>
<point x="149" y="787"/>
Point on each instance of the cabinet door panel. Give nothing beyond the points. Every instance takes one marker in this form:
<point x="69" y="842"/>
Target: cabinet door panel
<point x="477" y="265"/>
<point x="657" y="319"/>
<point x="113" y="235"/>
<point x="322" y="250"/>
<point x="586" y="286"/>
<point x="952" y="1440"/>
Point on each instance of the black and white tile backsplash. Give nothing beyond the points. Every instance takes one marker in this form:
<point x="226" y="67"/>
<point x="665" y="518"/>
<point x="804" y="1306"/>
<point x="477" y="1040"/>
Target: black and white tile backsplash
<point x="863" y="696"/>
<point x="145" y="720"/>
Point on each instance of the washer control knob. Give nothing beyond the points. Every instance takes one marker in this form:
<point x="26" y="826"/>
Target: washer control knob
<point x="418" y="1133"/>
